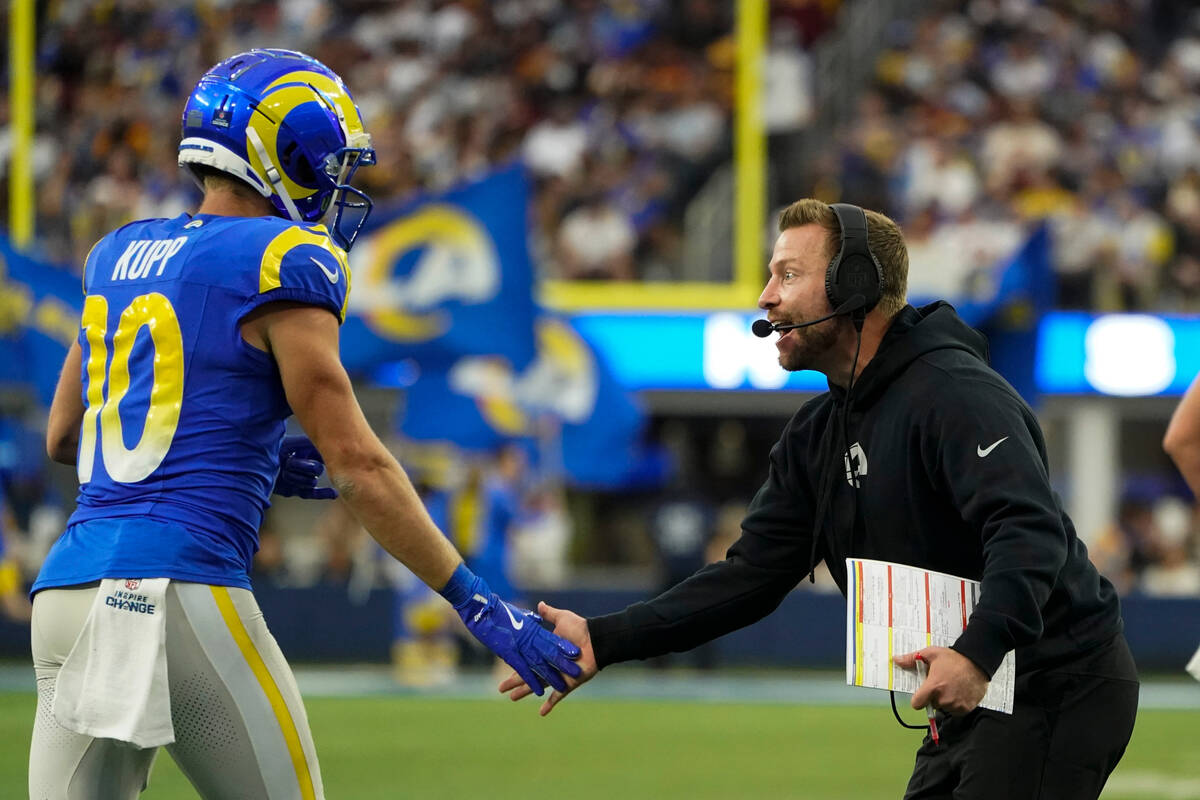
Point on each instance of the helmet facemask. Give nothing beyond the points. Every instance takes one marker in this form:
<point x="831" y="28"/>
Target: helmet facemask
<point x="348" y="207"/>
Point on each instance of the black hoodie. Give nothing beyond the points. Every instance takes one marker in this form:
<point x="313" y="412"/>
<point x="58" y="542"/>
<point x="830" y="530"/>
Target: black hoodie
<point x="952" y="476"/>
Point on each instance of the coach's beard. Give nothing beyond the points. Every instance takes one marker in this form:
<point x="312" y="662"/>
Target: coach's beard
<point x="805" y="346"/>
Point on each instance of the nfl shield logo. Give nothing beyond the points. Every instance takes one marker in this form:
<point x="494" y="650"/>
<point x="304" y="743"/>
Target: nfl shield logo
<point x="221" y="118"/>
<point x="132" y="583"/>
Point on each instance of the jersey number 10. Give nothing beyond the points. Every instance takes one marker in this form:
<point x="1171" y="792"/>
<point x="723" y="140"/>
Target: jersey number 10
<point x="154" y="312"/>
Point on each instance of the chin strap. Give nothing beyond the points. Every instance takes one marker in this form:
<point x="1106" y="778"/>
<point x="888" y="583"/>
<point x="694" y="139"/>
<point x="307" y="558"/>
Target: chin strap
<point x="273" y="174"/>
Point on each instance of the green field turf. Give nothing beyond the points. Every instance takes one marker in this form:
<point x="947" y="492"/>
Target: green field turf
<point x="410" y="747"/>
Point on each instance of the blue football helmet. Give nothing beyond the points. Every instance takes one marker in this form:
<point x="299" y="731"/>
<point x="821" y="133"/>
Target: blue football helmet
<point x="285" y="124"/>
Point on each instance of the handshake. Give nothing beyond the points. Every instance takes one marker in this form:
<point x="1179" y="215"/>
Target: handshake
<point x="540" y="658"/>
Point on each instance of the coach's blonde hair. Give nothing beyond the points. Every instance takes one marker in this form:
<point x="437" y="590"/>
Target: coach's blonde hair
<point x="883" y="237"/>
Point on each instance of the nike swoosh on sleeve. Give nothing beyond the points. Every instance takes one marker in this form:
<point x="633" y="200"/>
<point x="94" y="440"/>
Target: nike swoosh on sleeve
<point x="983" y="452"/>
<point x="333" y="276"/>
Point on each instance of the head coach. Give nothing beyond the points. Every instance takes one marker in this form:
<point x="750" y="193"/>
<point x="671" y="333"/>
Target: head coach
<point x="958" y="482"/>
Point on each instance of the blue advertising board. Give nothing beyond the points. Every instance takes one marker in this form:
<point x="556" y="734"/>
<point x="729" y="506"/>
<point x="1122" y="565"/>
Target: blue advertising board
<point x="1119" y="355"/>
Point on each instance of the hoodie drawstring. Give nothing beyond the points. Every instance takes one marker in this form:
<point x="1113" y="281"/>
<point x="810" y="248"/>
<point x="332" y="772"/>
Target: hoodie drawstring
<point x="824" y="497"/>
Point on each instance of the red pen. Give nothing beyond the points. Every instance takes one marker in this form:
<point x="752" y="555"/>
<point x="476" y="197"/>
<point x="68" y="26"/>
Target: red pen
<point x="930" y="714"/>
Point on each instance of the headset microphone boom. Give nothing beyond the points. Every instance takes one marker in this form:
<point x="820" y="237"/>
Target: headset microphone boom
<point x="763" y="328"/>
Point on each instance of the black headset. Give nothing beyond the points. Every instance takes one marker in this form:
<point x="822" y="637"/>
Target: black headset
<point x="854" y="270"/>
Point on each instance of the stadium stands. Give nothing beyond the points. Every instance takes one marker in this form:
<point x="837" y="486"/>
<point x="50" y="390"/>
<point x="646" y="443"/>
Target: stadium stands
<point x="980" y="118"/>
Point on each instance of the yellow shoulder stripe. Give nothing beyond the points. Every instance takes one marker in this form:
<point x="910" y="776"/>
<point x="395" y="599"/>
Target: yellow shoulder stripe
<point x="288" y="240"/>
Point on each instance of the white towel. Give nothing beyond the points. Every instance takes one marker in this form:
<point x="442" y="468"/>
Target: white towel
<point x="113" y="684"/>
<point x="1193" y="666"/>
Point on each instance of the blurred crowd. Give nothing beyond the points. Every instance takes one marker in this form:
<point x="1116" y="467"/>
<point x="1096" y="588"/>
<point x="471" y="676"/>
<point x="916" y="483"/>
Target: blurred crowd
<point x="1153" y="546"/>
<point x="619" y="108"/>
<point x="508" y="521"/>
<point x="983" y="117"/>
<point x="988" y="115"/>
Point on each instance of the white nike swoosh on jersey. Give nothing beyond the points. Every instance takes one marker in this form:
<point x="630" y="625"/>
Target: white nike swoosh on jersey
<point x="516" y="625"/>
<point x="984" y="451"/>
<point x="333" y="276"/>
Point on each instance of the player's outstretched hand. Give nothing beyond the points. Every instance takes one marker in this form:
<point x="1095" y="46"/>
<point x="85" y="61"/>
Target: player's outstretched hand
<point x="954" y="684"/>
<point x="540" y="658"/>
<point x="300" y="467"/>
<point x="574" y="628"/>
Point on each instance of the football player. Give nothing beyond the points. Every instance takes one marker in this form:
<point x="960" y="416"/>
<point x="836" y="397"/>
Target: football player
<point x="200" y="336"/>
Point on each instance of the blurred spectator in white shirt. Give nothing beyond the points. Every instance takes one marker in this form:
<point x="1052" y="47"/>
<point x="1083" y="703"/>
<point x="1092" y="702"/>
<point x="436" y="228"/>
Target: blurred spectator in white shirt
<point x="596" y="240"/>
<point x="937" y="173"/>
<point x="556" y="145"/>
<point x="787" y="93"/>
<point x="1021" y="141"/>
<point x="1022" y="72"/>
<point x="953" y="260"/>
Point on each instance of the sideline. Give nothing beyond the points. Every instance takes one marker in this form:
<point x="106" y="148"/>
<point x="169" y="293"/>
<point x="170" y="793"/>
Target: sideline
<point x="1152" y="784"/>
<point x="633" y="684"/>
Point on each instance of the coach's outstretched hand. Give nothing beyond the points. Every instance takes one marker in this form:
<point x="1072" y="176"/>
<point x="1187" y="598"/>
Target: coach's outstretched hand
<point x="540" y="658"/>
<point x="300" y="467"/>
<point x="574" y="628"/>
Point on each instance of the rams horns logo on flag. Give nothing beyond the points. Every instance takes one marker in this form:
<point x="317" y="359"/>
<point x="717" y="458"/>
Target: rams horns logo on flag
<point x="455" y="261"/>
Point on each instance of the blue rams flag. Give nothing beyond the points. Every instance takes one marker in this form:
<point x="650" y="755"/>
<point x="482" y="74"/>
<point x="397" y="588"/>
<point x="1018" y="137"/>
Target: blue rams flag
<point x="40" y="305"/>
<point x="462" y="405"/>
<point x="444" y="276"/>
<point x="479" y="402"/>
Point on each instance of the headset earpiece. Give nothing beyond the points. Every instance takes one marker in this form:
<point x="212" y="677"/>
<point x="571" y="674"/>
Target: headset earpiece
<point x="854" y="270"/>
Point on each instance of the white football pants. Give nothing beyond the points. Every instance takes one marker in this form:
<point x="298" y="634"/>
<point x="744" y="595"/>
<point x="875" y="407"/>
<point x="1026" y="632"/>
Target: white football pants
<point x="240" y="726"/>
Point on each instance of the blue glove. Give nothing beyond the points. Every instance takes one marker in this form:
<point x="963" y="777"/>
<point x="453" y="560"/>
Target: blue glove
<point x="300" y="466"/>
<point x="514" y="634"/>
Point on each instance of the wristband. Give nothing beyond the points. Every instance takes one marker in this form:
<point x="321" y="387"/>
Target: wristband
<point x="460" y="587"/>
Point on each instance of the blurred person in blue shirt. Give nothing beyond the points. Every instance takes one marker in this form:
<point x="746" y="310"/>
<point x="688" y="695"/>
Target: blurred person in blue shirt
<point x="502" y="507"/>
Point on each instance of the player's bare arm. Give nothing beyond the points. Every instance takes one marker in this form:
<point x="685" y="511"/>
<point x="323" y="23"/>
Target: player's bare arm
<point x="66" y="410"/>
<point x="1182" y="440"/>
<point x="304" y="342"/>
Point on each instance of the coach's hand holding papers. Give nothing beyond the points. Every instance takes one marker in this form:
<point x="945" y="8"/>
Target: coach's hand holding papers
<point x="573" y="628"/>
<point x="955" y="685"/>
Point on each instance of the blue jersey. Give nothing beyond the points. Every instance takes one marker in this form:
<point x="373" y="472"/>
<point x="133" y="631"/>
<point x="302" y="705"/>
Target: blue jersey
<point x="179" y="444"/>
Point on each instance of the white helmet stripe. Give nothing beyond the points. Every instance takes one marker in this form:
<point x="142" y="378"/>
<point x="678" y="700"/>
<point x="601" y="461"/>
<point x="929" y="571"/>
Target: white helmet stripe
<point x="273" y="174"/>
